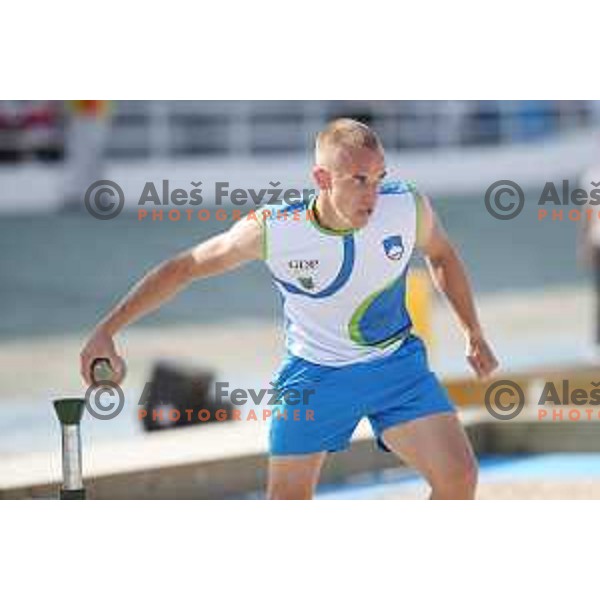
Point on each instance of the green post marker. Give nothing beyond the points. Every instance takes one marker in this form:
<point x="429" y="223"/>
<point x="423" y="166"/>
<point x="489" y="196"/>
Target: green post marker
<point x="102" y="370"/>
<point x="70" y="411"/>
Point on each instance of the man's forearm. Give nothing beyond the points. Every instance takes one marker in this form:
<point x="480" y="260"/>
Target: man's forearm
<point x="450" y="277"/>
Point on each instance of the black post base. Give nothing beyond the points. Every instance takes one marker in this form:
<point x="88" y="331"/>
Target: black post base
<point x="72" y="494"/>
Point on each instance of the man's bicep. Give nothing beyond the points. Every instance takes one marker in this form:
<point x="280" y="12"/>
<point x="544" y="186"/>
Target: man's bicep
<point x="226" y="251"/>
<point x="425" y="221"/>
<point x="247" y="239"/>
<point x="431" y="235"/>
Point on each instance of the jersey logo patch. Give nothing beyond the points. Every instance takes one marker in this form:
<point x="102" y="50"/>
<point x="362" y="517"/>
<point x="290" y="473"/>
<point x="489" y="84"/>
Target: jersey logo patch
<point x="393" y="247"/>
<point x="304" y="271"/>
<point x="306" y="282"/>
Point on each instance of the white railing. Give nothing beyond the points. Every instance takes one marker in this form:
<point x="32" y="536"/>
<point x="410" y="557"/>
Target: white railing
<point x="245" y="128"/>
<point x="162" y="129"/>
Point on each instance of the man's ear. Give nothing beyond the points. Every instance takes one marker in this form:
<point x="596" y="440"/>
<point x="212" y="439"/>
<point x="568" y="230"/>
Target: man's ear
<point x="322" y="177"/>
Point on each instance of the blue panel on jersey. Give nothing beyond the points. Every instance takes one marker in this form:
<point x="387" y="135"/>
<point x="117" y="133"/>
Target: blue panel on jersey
<point x="382" y="318"/>
<point x="340" y="280"/>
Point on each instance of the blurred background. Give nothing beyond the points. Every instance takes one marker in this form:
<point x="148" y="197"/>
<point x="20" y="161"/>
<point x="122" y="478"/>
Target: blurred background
<point x="61" y="269"/>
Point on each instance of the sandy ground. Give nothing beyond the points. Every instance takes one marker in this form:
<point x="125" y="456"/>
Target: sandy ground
<point x="525" y="329"/>
<point x="518" y="490"/>
<point x="541" y="490"/>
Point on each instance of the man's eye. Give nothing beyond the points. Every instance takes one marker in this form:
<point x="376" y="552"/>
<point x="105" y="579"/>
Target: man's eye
<point x="362" y="179"/>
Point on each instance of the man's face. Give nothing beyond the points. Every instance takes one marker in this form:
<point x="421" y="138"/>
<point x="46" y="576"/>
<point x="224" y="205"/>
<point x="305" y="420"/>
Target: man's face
<point x="352" y="181"/>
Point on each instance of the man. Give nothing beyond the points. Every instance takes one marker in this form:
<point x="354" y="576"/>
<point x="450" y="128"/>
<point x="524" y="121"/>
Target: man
<point x="341" y="267"/>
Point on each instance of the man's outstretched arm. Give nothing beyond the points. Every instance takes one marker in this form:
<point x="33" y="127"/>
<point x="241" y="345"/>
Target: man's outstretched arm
<point x="450" y="277"/>
<point x="216" y="255"/>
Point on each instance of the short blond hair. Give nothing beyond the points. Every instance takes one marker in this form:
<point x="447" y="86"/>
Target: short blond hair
<point x="345" y="134"/>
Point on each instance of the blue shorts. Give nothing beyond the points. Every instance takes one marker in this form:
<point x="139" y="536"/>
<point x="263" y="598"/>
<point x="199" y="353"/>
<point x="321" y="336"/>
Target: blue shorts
<point x="322" y="405"/>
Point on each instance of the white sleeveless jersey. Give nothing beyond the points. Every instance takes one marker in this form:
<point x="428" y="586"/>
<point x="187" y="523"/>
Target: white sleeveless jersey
<point x="343" y="293"/>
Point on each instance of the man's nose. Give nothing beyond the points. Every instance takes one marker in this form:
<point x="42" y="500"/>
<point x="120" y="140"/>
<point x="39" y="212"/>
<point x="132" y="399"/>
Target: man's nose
<point x="370" y="198"/>
<point x="374" y="188"/>
<point x="370" y="206"/>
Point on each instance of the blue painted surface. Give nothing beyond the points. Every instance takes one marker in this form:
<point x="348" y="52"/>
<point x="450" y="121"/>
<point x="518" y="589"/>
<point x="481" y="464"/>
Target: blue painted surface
<point x="519" y="467"/>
